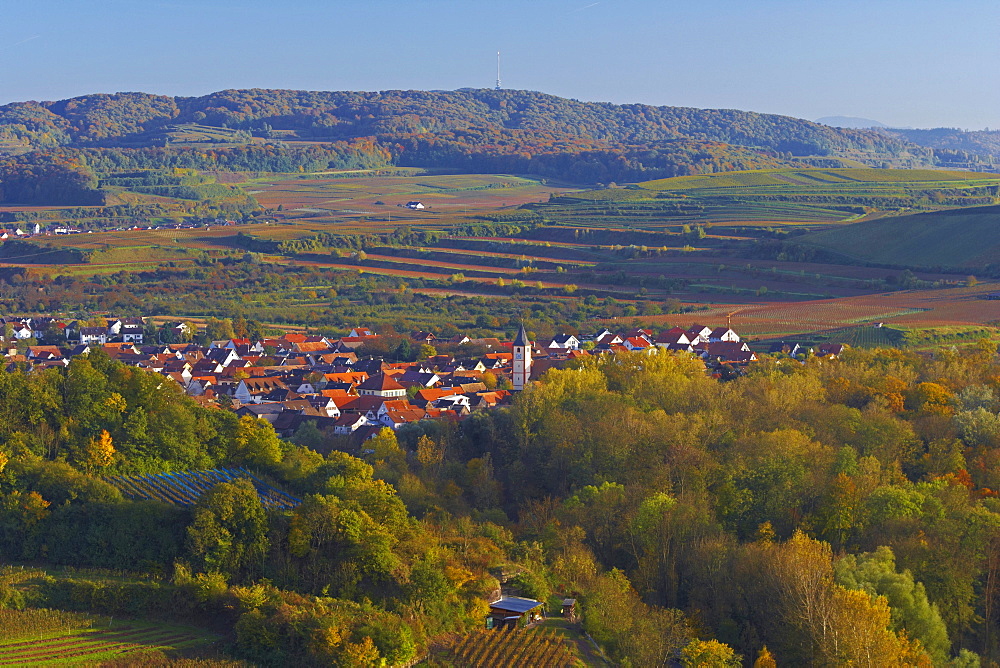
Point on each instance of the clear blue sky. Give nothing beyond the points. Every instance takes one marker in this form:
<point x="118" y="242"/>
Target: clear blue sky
<point x="919" y="63"/>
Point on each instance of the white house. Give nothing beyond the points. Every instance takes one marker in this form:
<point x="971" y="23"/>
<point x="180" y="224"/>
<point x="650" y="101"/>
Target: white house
<point x="564" y="342"/>
<point x="723" y="334"/>
<point x="415" y="205"/>
<point x="93" y="335"/>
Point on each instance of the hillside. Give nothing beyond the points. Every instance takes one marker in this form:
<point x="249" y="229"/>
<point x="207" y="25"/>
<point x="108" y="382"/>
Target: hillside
<point x="850" y="122"/>
<point x="484" y="131"/>
<point x="963" y="238"/>
<point x="974" y="149"/>
<point x="346" y="115"/>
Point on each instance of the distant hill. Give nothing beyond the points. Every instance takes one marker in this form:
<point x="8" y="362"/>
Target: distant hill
<point x="849" y="122"/>
<point x="963" y="238"/>
<point x="346" y="115"/>
<point x="954" y="148"/>
<point x="483" y="129"/>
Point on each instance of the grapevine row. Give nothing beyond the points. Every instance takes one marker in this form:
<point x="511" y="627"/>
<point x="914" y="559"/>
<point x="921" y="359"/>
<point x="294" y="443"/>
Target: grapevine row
<point x="184" y="488"/>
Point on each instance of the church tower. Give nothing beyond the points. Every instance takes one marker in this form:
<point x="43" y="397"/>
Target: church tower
<point x="522" y="359"/>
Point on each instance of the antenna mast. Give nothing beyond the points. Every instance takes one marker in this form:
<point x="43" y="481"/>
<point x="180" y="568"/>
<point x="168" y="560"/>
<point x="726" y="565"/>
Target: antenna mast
<point x="498" y="70"/>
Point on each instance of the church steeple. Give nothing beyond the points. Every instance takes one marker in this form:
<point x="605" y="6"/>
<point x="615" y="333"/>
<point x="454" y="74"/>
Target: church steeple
<point x="522" y="337"/>
<point x="522" y="359"/>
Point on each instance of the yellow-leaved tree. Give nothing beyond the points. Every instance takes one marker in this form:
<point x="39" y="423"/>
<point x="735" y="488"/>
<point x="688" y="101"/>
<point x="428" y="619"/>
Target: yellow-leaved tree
<point x="99" y="452"/>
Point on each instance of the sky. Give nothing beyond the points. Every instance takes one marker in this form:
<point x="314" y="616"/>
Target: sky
<point x="911" y="63"/>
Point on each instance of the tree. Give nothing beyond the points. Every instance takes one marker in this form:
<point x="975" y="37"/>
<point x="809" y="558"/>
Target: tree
<point x="219" y="330"/>
<point x="255" y="443"/>
<point x="875" y="573"/>
<point x="709" y="654"/>
<point x="765" y="659"/>
<point x="99" y="452"/>
<point x="427" y="351"/>
<point x="388" y="457"/>
<point x="308" y="435"/>
<point x="229" y="531"/>
<point x="489" y="379"/>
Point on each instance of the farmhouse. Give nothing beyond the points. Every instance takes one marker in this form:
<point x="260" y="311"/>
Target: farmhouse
<point x="415" y="205"/>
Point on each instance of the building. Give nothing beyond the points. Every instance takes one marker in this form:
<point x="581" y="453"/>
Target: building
<point x="522" y="360"/>
<point x="564" y="342"/>
<point x="510" y="610"/>
<point x="415" y="205"/>
<point x="381" y="385"/>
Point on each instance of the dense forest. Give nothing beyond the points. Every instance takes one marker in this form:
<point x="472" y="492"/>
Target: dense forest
<point x="836" y="512"/>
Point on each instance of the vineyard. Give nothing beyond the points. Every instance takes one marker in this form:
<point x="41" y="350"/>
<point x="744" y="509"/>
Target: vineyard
<point x="38" y="637"/>
<point x="186" y="487"/>
<point x="511" y="647"/>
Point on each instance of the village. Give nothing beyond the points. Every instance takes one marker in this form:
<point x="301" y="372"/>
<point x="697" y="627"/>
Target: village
<point x="299" y="378"/>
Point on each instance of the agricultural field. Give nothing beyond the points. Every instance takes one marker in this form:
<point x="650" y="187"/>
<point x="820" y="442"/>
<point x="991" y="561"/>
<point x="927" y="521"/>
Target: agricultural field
<point x="37" y="637"/>
<point x="511" y="648"/>
<point x="184" y="488"/>
<point x="964" y="238"/>
<point x="654" y="247"/>
<point x="923" y="314"/>
<point x="800" y="199"/>
<point x="374" y="203"/>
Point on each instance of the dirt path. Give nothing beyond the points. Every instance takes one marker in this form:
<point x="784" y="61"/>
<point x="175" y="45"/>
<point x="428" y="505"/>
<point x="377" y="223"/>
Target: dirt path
<point x="575" y="635"/>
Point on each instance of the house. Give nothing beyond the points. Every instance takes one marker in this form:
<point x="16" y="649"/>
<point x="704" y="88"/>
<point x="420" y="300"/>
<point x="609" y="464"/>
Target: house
<point x="419" y="378"/>
<point x="132" y="332"/>
<point x="490" y="343"/>
<point x="723" y="334"/>
<point x="381" y="385"/>
<point x="830" y="349"/>
<point x="784" y="348"/>
<point x="361" y="333"/>
<point x="415" y="205"/>
<point x="607" y="338"/>
<point x="637" y="343"/>
<point x="423" y="337"/>
<point x="672" y="336"/>
<point x="349" y="423"/>
<point x="223" y="356"/>
<point x="564" y="342"/>
<point x="698" y="333"/>
<point x="252" y="390"/>
<point x="93" y="335"/>
<point x="394" y="419"/>
<point x="510" y="610"/>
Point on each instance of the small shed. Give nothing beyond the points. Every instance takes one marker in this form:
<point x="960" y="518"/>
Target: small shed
<point x="512" y="610"/>
<point x="569" y="608"/>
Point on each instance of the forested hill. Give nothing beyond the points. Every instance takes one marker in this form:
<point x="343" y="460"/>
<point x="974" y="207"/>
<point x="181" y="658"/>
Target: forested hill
<point x="51" y="151"/>
<point x="346" y="115"/>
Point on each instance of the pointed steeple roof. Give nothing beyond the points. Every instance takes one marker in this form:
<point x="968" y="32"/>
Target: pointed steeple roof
<point x="522" y="337"/>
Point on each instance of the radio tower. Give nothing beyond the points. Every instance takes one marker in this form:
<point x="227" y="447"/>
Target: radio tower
<point x="498" y="70"/>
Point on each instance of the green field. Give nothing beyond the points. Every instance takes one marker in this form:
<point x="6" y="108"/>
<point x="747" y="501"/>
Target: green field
<point x="965" y="238"/>
<point x="39" y="637"/>
<point x="775" y="197"/>
<point x="814" y="178"/>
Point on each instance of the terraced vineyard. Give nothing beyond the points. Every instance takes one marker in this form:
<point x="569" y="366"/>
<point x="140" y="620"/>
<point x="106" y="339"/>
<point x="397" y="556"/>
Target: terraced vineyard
<point x="513" y="648"/>
<point x="91" y="647"/>
<point x="776" y="196"/>
<point x="186" y="487"/>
